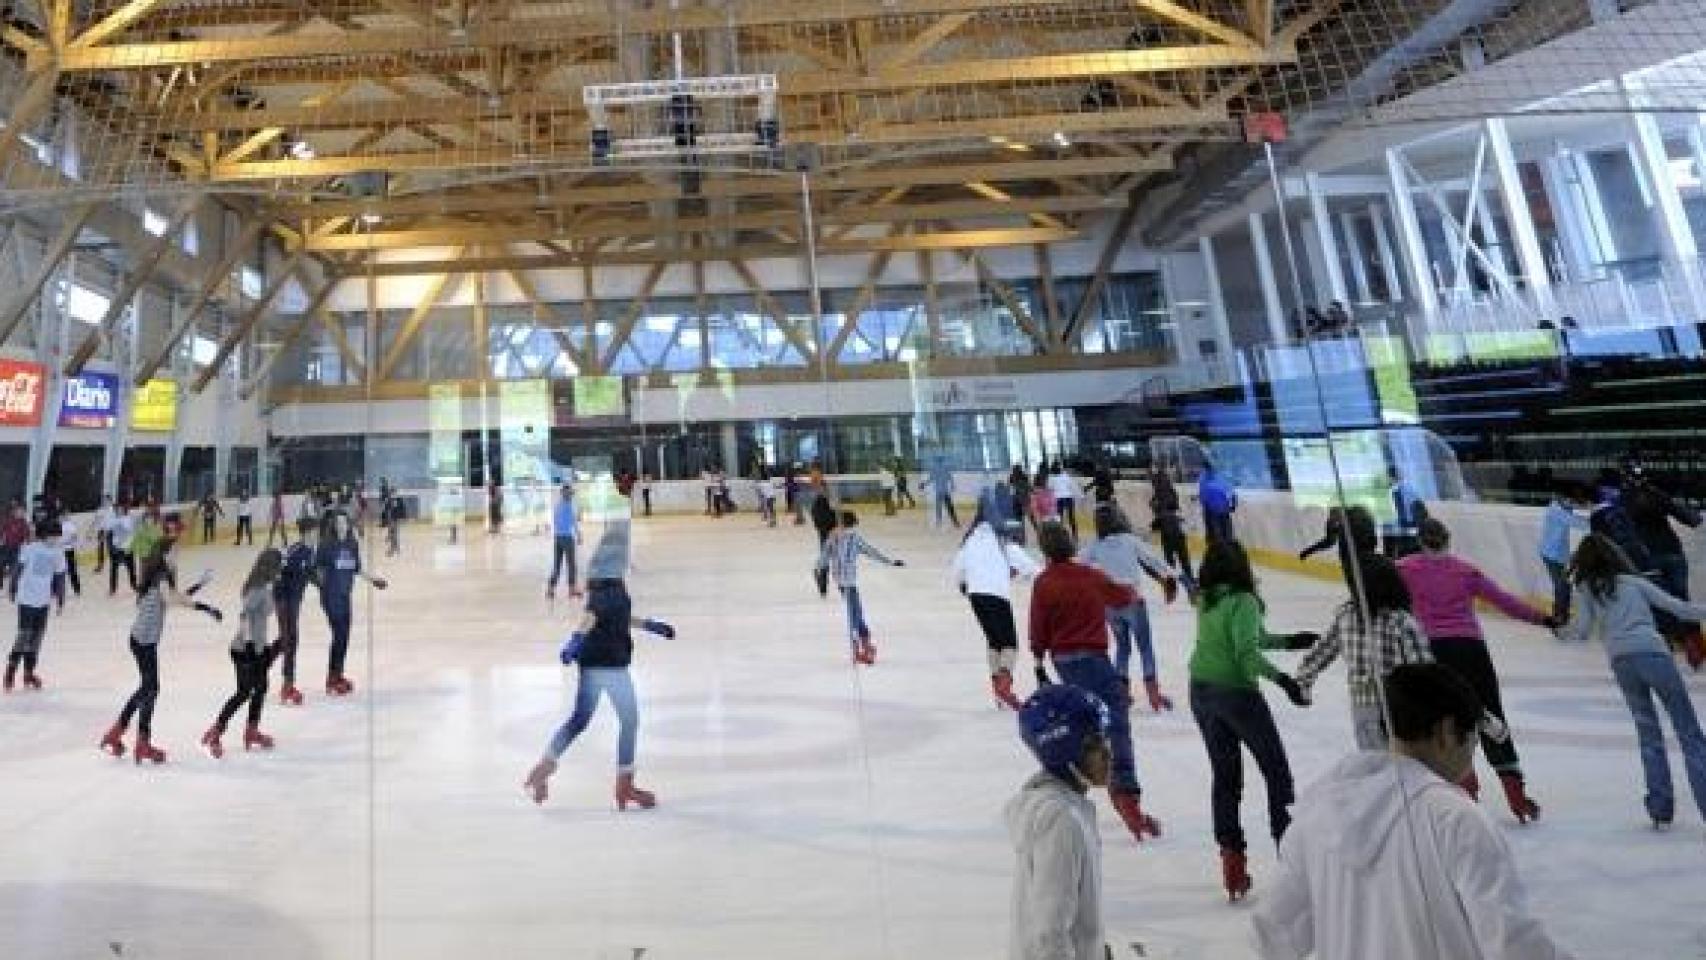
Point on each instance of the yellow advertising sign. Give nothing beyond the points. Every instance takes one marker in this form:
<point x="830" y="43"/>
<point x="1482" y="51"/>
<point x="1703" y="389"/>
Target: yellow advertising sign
<point x="154" y="406"/>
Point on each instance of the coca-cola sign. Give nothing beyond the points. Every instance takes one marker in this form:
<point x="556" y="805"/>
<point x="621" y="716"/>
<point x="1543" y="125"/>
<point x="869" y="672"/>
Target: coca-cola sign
<point x="20" y="393"/>
<point x="91" y="401"/>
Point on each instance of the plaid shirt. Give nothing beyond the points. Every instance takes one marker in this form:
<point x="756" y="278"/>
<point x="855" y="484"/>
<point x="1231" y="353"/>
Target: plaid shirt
<point x="1397" y="639"/>
<point x="840" y="556"/>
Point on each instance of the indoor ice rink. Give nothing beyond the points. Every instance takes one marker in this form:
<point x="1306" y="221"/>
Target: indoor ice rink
<point x="698" y="422"/>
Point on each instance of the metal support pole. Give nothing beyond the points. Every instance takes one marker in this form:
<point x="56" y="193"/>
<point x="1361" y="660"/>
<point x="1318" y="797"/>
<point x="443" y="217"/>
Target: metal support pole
<point x="815" y="292"/>
<point x="1519" y="217"/>
<point x="1216" y="308"/>
<point x="1359" y="262"/>
<point x="1278" y="331"/>
<point x="1334" y="274"/>
<point x="1410" y="243"/>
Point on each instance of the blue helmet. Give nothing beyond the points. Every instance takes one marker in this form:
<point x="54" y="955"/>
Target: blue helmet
<point x="1057" y="721"/>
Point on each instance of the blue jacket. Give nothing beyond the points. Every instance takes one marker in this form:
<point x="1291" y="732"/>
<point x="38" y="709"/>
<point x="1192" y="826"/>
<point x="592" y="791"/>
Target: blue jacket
<point x="564" y="519"/>
<point x="1555" y="532"/>
<point x="294" y="575"/>
<point x="1216" y="494"/>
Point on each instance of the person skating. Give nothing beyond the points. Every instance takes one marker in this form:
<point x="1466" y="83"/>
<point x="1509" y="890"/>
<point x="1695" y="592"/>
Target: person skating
<point x="14" y="533"/>
<point x="839" y="561"/>
<point x="337" y="562"/>
<point x="940" y="480"/>
<point x="1372" y="646"/>
<point x="1065" y="490"/>
<point x="1560" y="519"/>
<point x="1408" y="512"/>
<point x="984" y="569"/>
<point x="1617" y="606"/>
<point x="1387" y="859"/>
<point x="1169" y="525"/>
<point x="1219" y="501"/>
<point x="67" y="543"/>
<point x="1044" y="505"/>
<point x="210" y="511"/>
<point x="1443" y="588"/>
<point x="296" y="571"/>
<point x="276" y="525"/>
<point x="1069" y="627"/>
<point x="1227" y="666"/>
<point x="103" y="531"/>
<point x="157" y="590"/>
<point x="1119" y="553"/>
<point x="1352" y="532"/>
<point x="902" y="485"/>
<point x="1019" y="482"/>
<point x="245" y="519"/>
<point x="602" y="645"/>
<point x="391" y="518"/>
<point x="1652" y="512"/>
<point x="251" y="658"/>
<point x="40" y="562"/>
<point x="565" y="532"/>
<point x="1057" y="875"/>
<point x="121" y="537"/>
<point x="824" y="520"/>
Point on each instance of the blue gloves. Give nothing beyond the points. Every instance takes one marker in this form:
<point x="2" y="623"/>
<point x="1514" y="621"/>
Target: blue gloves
<point x="659" y="628"/>
<point x="572" y="648"/>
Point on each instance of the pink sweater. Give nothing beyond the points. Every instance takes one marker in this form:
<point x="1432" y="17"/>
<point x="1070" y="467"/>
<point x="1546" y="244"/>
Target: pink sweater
<point x="1444" y="588"/>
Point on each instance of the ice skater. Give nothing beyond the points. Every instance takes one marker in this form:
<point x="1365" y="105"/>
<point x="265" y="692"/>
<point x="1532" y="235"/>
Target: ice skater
<point x="1617" y="606"/>
<point x="103" y="531"/>
<point x="210" y="511"/>
<point x="157" y="589"/>
<point x="1119" y="553"/>
<point x="1057" y="874"/>
<point x="565" y="532"/>
<point x="1563" y="514"/>
<point x="121" y="537"/>
<point x="1227" y="666"/>
<point x="337" y="563"/>
<point x="1068" y="626"/>
<point x="1444" y="588"/>
<point x="40" y="563"/>
<point x="984" y="568"/>
<point x="1169" y="526"/>
<point x="251" y="658"/>
<point x="245" y="519"/>
<point x="768" y="488"/>
<point x="67" y="542"/>
<point x="1219" y="500"/>
<point x="839" y="561"/>
<point x="296" y="571"/>
<point x="603" y="647"/>
<point x="275" y="520"/>
<point x="1065" y="490"/>
<point x="940" y="480"/>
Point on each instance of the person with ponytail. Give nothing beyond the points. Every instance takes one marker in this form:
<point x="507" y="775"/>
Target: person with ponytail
<point x="984" y="569"/>
<point x="251" y="656"/>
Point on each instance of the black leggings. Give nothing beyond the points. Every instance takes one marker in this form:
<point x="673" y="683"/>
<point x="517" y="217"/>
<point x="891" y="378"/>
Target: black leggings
<point x="251" y="667"/>
<point x="141" y="703"/>
<point x="995" y="616"/>
<point x="338" y="618"/>
<point x="1175" y="549"/>
<point x="1469" y="657"/>
<point x="32" y="623"/>
<point x="120" y="558"/>
<point x="245" y="527"/>
<point x="289" y="632"/>
<point x="1228" y="718"/>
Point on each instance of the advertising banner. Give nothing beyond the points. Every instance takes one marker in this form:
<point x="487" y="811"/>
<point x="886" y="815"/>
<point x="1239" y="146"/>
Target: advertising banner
<point x="91" y="401"/>
<point x="524" y="423"/>
<point x="155" y="406"/>
<point x="21" y="393"/>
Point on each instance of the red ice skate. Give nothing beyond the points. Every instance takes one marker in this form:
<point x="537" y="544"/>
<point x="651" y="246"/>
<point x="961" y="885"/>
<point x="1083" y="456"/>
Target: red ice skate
<point x="1002" y="686"/>
<point x="210" y="742"/>
<point x="254" y="739"/>
<point x="32" y="681"/>
<point x="1234" y="873"/>
<point x="1130" y="809"/>
<point x="290" y="696"/>
<point x="627" y="793"/>
<point x="11" y="681"/>
<point x="1694" y="648"/>
<point x="867" y="652"/>
<point x="1522" y="805"/>
<point x="113" y="741"/>
<point x="338" y="686"/>
<point x="1158" y="701"/>
<point x="147" y="751"/>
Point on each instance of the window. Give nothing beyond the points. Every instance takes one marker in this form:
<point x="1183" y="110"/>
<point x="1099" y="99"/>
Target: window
<point x="153" y="222"/>
<point x="86" y="305"/>
<point x="250" y="281"/>
<point x="203" y="350"/>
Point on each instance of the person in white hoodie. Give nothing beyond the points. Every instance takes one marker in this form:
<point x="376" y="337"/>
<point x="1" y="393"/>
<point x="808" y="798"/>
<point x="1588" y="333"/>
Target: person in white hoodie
<point x="1057" y="876"/>
<point x="984" y="570"/>
<point x="1387" y="857"/>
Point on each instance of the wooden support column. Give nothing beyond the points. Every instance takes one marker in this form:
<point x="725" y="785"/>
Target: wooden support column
<point x="625" y="328"/>
<point x="1051" y="301"/>
<point x="412" y="326"/>
<point x="777" y="312"/>
<point x="139" y="273"/>
<point x="247" y="325"/>
<point x="1110" y="253"/>
<point x="210" y="282"/>
<point x="932" y="303"/>
<point x="1021" y="315"/>
<point x="51" y="257"/>
<point x="867" y="292"/>
<point x="340" y="339"/>
<point x="542" y="314"/>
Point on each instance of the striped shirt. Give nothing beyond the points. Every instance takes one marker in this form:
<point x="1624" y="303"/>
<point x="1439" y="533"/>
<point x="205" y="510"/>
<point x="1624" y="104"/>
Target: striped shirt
<point x="840" y="556"/>
<point x="1397" y="639"/>
<point x="151" y="612"/>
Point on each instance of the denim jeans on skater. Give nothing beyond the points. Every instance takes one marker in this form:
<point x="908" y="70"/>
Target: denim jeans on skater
<point x="1229" y="717"/>
<point x="857" y="629"/>
<point x="1130" y="625"/>
<point x="1094" y="673"/>
<point x="1642" y="677"/>
<point x="563" y="551"/>
<point x="596" y="682"/>
<point x="1561" y="592"/>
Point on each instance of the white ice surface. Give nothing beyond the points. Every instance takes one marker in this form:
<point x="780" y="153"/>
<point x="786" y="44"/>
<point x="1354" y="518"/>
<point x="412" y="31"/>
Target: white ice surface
<point x="807" y="810"/>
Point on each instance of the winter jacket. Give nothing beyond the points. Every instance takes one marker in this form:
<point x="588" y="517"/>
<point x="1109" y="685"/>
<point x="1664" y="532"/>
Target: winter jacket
<point x="1624" y="620"/>
<point x="1215" y="494"/>
<point x="1126" y="559"/>
<point x="1651" y="510"/>
<point x="1386" y="859"/>
<point x="1057" y="874"/>
<point x="1444" y="588"/>
<point x="1555" y="530"/>
<point x="986" y="565"/>
<point x="1230" y="641"/>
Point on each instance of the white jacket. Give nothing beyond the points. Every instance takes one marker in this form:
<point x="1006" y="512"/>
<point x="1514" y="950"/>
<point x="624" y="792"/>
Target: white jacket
<point x="986" y="564"/>
<point x="1386" y="859"/>
<point x="1057" y="877"/>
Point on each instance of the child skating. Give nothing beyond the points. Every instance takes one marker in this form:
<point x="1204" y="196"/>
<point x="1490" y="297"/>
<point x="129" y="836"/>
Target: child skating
<point x="1126" y="559"/>
<point x="839" y="559"/>
<point x="40" y="562"/>
<point x="984" y="569"/>
<point x="603" y="647"/>
<point x="251" y="658"/>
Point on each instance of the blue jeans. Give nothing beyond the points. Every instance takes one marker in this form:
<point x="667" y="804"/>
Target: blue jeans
<point x="857" y="629"/>
<point x="1131" y="627"/>
<point x="1561" y="592"/>
<point x="1642" y="676"/>
<point x="563" y="551"/>
<point x="1094" y="673"/>
<point x="1229" y="717"/>
<point x="597" y="681"/>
